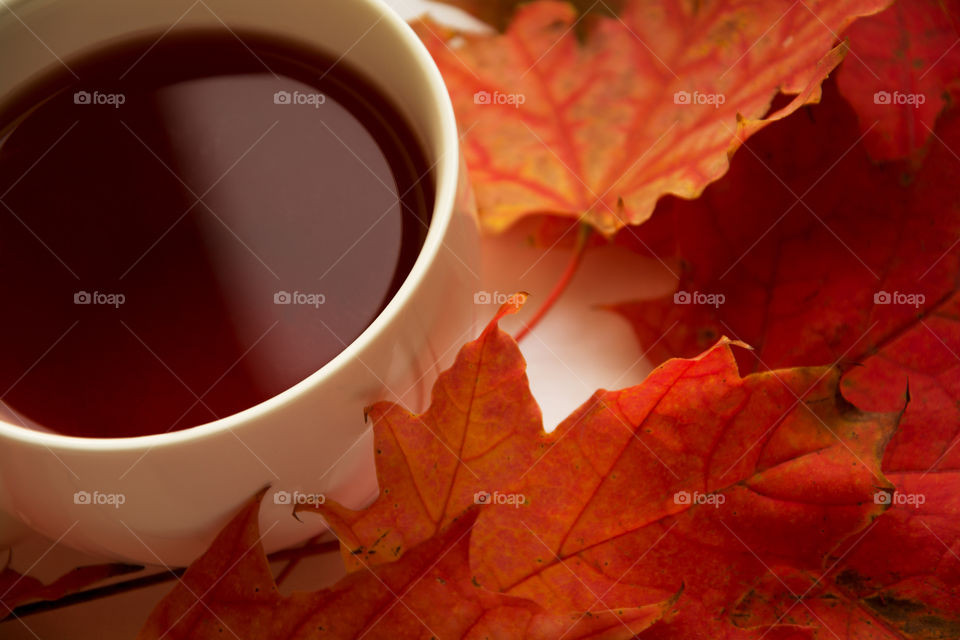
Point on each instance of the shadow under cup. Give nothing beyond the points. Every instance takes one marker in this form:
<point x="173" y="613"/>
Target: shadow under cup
<point x="378" y="302"/>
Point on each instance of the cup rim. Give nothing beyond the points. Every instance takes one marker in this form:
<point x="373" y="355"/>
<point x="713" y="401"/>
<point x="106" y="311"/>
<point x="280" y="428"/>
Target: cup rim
<point x="445" y="168"/>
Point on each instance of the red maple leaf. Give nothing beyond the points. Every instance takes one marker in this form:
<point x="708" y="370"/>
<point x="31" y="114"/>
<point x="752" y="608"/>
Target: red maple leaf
<point x="864" y="270"/>
<point x="901" y="73"/>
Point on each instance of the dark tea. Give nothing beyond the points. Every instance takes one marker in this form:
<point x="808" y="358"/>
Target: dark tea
<point x="191" y="225"/>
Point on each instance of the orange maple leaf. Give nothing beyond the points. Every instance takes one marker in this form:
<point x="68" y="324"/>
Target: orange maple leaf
<point x="653" y="102"/>
<point x="686" y="484"/>
<point x="463" y="436"/>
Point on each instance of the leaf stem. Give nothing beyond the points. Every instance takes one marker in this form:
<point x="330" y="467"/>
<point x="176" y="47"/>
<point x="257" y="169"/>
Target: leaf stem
<point x="42" y="606"/>
<point x="583" y="238"/>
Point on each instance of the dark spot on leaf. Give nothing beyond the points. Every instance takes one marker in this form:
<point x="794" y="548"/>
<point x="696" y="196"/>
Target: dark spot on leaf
<point x="707" y="334"/>
<point x="850" y="580"/>
<point x="915" y="619"/>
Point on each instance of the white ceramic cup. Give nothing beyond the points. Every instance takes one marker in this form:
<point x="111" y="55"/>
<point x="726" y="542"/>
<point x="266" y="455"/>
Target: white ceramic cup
<point x="179" y="488"/>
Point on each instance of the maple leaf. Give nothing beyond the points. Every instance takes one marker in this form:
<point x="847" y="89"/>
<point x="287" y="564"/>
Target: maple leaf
<point x="422" y="473"/>
<point x="845" y="606"/>
<point x="230" y="589"/>
<point x="696" y="479"/>
<point x="827" y="280"/>
<point x="463" y="434"/>
<point x="905" y="572"/>
<point x="797" y="249"/>
<point x="428" y="593"/>
<point x="652" y="102"/>
<point x="792" y="465"/>
<point x="898" y="579"/>
<point x="903" y="65"/>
